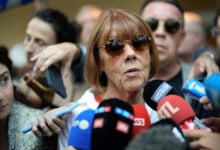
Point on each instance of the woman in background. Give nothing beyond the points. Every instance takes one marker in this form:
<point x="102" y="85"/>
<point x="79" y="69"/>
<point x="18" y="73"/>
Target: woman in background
<point x="11" y="115"/>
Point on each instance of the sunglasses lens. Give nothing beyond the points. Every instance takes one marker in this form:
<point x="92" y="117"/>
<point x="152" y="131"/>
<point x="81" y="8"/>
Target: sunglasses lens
<point x="140" y="42"/>
<point x="153" y="23"/>
<point x="172" y="26"/>
<point x="114" y="45"/>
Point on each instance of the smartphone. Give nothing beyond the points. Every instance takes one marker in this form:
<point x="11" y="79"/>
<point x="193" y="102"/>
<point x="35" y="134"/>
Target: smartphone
<point x="58" y="114"/>
<point x="55" y="81"/>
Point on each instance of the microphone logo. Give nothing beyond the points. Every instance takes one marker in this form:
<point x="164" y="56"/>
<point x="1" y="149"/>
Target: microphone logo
<point x="161" y="91"/>
<point x="83" y="124"/>
<point x="196" y="87"/>
<point x="167" y="110"/>
<point x="139" y="122"/>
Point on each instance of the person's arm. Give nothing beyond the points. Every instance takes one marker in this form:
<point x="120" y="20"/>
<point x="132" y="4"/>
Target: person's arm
<point x="64" y="53"/>
<point x="213" y="123"/>
<point x="47" y="125"/>
<point x="26" y="95"/>
<point x="77" y="66"/>
<point x="67" y="54"/>
<point x="203" y="139"/>
<point x="206" y="103"/>
<point x="204" y="64"/>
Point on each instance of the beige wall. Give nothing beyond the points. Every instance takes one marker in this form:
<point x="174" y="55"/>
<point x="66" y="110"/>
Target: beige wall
<point x="13" y="21"/>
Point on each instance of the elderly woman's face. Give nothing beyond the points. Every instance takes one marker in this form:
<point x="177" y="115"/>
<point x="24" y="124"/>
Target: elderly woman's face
<point x="6" y="92"/>
<point x="127" y="66"/>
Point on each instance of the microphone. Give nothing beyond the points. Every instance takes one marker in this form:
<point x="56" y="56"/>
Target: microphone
<point x="176" y="108"/>
<point x="141" y="119"/>
<point x="112" y="125"/>
<point x="163" y="135"/>
<point x="80" y="133"/>
<point x="212" y="89"/>
<point x="194" y="89"/>
<point x="155" y="90"/>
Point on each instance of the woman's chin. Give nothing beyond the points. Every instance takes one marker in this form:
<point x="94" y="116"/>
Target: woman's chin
<point x="133" y="87"/>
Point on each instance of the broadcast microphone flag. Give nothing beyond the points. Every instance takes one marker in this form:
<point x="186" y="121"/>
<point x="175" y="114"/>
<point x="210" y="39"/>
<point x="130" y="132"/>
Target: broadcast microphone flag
<point x="141" y="119"/>
<point x="194" y="89"/>
<point x="212" y="88"/>
<point x="112" y="125"/>
<point x="176" y="108"/>
<point x="155" y="90"/>
<point x="80" y="133"/>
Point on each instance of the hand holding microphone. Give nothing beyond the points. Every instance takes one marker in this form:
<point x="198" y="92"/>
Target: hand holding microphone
<point x="156" y="90"/>
<point x="210" y="88"/>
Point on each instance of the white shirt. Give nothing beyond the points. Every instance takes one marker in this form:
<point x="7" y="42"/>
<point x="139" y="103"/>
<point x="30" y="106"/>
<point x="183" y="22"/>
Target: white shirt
<point x="89" y="102"/>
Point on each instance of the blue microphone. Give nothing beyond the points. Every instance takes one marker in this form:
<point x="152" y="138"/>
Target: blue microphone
<point x="212" y="88"/>
<point x="194" y="89"/>
<point x="80" y="133"/>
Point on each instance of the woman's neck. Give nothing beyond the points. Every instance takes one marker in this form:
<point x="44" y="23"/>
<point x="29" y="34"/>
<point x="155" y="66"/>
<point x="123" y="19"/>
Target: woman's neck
<point x="134" y="97"/>
<point x="167" y="73"/>
<point x="4" y="134"/>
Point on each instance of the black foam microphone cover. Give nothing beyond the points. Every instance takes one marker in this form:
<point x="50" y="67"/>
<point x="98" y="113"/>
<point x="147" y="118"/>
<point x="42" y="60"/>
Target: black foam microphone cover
<point x="155" y="90"/>
<point x="112" y="125"/>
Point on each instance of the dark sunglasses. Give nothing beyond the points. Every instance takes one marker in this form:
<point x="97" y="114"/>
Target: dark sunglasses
<point x="139" y="43"/>
<point x="171" y="26"/>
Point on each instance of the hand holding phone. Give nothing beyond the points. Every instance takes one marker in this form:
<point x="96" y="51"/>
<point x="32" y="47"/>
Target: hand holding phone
<point x="58" y="114"/>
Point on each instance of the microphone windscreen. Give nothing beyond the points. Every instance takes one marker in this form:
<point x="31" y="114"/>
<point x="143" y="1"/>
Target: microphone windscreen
<point x="141" y="119"/>
<point x="194" y="89"/>
<point x="155" y="90"/>
<point x="176" y="108"/>
<point x="80" y="133"/>
<point x="112" y="125"/>
<point x="212" y="88"/>
<point x="163" y="135"/>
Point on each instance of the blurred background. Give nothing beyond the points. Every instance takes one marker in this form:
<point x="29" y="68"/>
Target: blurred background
<point x="14" y="15"/>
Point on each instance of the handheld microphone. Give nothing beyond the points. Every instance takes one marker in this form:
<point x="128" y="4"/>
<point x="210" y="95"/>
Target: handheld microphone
<point x="162" y="135"/>
<point x="112" y="125"/>
<point x="194" y="89"/>
<point x="155" y="90"/>
<point x="141" y="119"/>
<point x="80" y="133"/>
<point x="176" y="108"/>
<point x="212" y="89"/>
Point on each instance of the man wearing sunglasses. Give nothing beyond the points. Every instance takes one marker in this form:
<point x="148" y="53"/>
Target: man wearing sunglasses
<point x="165" y="17"/>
